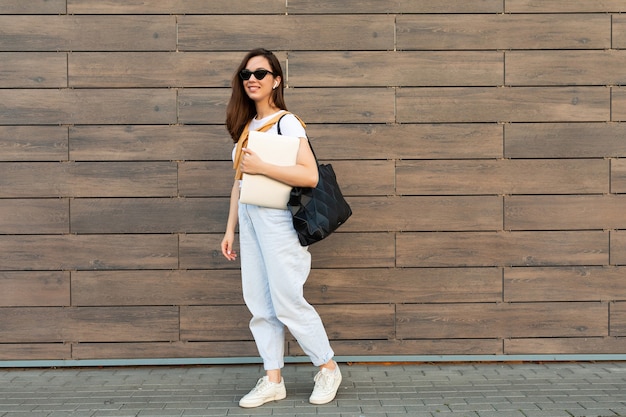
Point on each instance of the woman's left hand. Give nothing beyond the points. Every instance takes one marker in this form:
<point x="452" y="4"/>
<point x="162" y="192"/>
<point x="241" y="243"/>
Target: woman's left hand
<point x="251" y="163"/>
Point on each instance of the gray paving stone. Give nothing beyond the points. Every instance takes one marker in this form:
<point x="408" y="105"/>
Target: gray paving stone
<point x="420" y="390"/>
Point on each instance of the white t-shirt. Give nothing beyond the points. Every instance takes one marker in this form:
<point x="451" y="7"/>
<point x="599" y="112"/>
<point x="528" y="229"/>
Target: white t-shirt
<point x="289" y="126"/>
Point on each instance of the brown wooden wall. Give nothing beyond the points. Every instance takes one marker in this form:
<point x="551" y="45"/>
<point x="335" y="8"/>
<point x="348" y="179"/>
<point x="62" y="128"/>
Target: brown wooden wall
<point x="479" y="142"/>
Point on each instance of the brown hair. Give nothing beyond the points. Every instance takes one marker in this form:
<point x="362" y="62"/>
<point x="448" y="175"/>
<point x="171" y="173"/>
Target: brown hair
<point x="240" y="107"/>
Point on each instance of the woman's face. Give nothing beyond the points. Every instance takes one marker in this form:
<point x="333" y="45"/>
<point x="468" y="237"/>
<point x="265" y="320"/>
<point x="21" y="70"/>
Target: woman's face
<point x="259" y="90"/>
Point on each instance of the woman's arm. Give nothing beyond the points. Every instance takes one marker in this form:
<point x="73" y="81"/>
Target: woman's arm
<point x="229" y="236"/>
<point x="302" y="174"/>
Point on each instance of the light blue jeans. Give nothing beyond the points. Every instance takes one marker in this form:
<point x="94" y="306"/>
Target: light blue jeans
<point x="274" y="268"/>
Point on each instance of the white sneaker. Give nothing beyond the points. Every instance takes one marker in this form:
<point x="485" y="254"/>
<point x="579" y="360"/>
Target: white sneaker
<point x="264" y="391"/>
<point x="326" y="385"/>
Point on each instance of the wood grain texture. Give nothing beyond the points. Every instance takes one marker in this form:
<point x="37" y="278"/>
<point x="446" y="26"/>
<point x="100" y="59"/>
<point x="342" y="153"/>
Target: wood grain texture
<point x="38" y="289"/>
<point x="575" y="212"/>
<point x="88" y="252"/>
<point x="404" y="285"/>
<point x="503" y="31"/>
<point x="33" y="70"/>
<point x="431" y="213"/>
<point x="557" y="6"/>
<point x="34" y="216"/>
<point x="99" y="106"/>
<point x="491" y="104"/>
<point x="148" y="215"/>
<point x="447" y="249"/>
<point x="145" y="288"/>
<point x="479" y="143"/>
<point x="443" y="321"/>
<point x="94" y="324"/>
<point x="395" y="6"/>
<point x="504" y="176"/>
<point x="33" y="143"/>
<point x="564" y="284"/>
<point x="32" y="7"/>
<point x="564" y="140"/>
<point x="528" y="68"/>
<point x="386" y="69"/>
<point x="174" y="6"/>
<point x="149" y="143"/>
<point x="561" y="345"/>
<point x="330" y="32"/>
<point x="87" y="33"/>
<point x="618" y="319"/>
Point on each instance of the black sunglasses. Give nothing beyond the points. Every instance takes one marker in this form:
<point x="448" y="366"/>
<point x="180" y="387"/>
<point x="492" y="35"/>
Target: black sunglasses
<point x="259" y="74"/>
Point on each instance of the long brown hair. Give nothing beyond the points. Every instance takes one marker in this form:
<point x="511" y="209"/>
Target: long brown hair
<point x="240" y="107"/>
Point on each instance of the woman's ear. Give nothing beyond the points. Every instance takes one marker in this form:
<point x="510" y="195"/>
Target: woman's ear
<point x="276" y="83"/>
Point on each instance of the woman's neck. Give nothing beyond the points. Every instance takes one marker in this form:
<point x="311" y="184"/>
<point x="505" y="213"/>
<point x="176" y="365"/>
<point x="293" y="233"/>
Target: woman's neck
<point x="264" y="111"/>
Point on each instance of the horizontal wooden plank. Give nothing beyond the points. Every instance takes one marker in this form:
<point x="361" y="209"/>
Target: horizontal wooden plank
<point x="205" y="179"/>
<point x="503" y="31"/>
<point x="618" y="104"/>
<point x="385" y="69"/>
<point x="34" y="216"/>
<point x="32" y="7"/>
<point x="404" y="285"/>
<point x="618" y="176"/>
<point x="492" y="104"/>
<point x="354" y="250"/>
<point x="564" y="284"/>
<point x="151" y="69"/>
<point x="87" y="106"/>
<point x="526" y="68"/>
<point x="214" y="323"/>
<point x="619" y="31"/>
<point x="41" y="289"/>
<point x="150" y="350"/>
<point x="91" y="252"/>
<point x="358" y="321"/>
<point x="33" y="70"/>
<point x="343" y="105"/>
<point x="35" y="351"/>
<point x="443" y="321"/>
<point x="175" y="6"/>
<point x="505" y="176"/>
<point x="87" y="33"/>
<point x="406" y="141"/>
<point x="33" y="143"/>
<point x="558" y="6"/>
<point x="572" y="212"/>
<point x="618" y="319"/>
<point x="85" y="179"/>
<point x="564" y="140"/>
<point x="148" y="215"/>
<point x="315" y="32"/>
<point x="203" y="106"/>
<point x="433" y="213"/>
<point x="382" y="348"/>
<point x="564" y="346"/>
<point x="340" y="250"/>
<point x="396" y="6"/>
<point x="453" y="249"/>
<point x="89" y="324"/>
<point x="618" y="247"/>
<point x="203" y="251"/>
<point x="135" y="288"/>
<point x="340" y="105"/>
<point x="149" y="143"/>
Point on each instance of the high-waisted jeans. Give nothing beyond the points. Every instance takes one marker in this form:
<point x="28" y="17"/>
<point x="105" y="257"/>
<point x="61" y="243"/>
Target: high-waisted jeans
<point x="274" y="268"/>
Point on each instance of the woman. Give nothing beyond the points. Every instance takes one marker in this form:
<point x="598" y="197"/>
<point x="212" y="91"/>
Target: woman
<point x="274" y="266"/>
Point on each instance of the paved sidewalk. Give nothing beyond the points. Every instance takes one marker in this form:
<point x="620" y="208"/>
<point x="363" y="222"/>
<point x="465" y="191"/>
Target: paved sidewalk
<point x="369" y="390"/>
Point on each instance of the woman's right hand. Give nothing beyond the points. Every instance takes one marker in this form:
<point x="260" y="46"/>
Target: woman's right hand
<point x="227" y="246"/>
